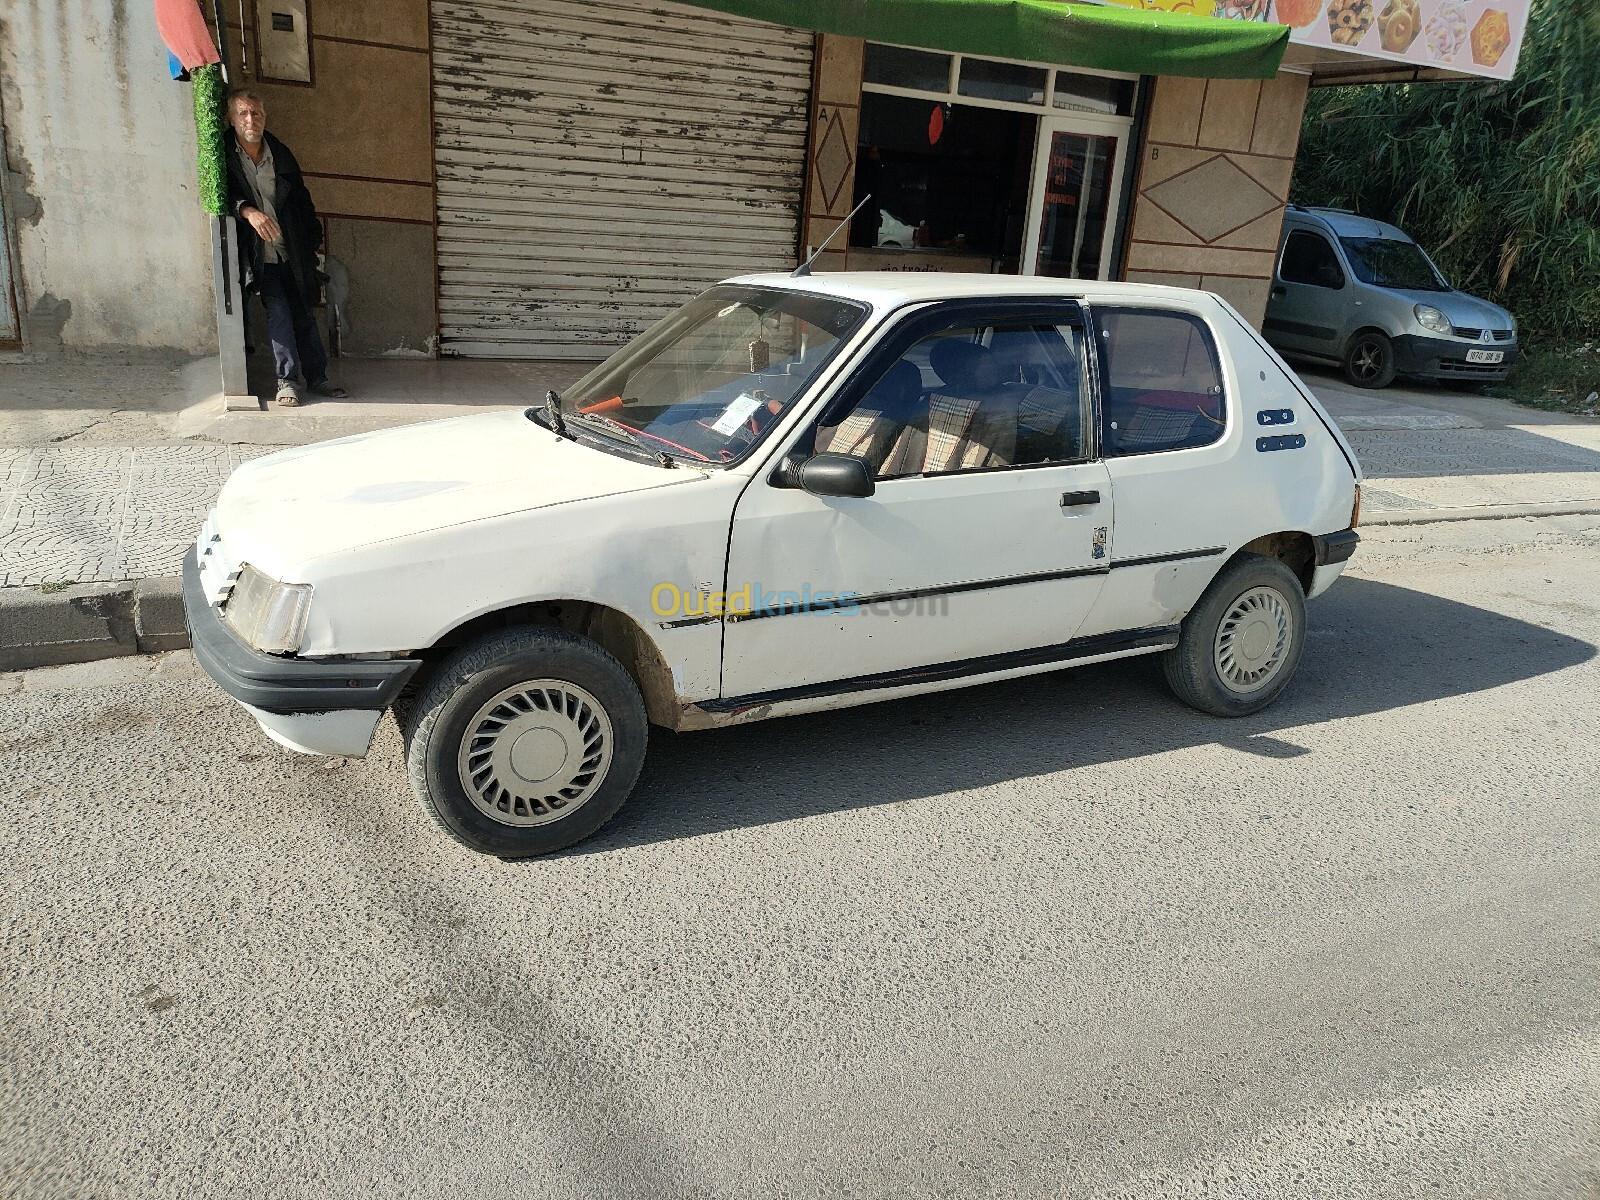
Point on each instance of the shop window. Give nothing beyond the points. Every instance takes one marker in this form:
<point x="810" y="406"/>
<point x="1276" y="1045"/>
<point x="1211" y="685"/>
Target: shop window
<point x="1163" y="382"/>
<point x="896" y="66"/>
<point x="1093" y="93"/>
<point x="948" y="179"/>
<point x="988" y="80"/>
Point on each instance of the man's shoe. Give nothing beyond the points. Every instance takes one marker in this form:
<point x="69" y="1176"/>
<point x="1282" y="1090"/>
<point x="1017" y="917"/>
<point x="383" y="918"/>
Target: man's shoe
<point x="324" y="387"/>
<point x="288" y="396"/>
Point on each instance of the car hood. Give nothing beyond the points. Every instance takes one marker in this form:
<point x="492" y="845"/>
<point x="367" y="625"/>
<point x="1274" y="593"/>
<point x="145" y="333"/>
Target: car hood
<point x="1462" y="310"/>
<point x="288" y="508"/>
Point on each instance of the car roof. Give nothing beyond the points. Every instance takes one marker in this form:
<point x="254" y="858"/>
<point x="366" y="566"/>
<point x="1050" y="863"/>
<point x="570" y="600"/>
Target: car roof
<point x="1345" y="223"/>
<point x="890" y="289"/>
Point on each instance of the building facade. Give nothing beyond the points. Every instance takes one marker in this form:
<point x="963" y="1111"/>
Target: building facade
<point x="505" y="179"/>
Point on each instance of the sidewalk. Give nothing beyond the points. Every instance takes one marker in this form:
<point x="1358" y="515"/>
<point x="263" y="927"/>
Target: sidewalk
<point x="107" y="469"/>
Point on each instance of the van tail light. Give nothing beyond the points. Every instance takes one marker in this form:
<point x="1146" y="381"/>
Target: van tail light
<point x="1355" y="512"/>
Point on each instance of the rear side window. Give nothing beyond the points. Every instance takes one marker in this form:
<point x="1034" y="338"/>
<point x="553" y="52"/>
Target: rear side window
<point x="1162" y="382"/>
<point x="1308" y="258"/>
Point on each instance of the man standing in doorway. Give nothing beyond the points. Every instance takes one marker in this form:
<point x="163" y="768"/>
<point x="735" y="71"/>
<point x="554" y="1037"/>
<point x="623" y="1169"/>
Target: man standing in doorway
<point x="279" y="236"/>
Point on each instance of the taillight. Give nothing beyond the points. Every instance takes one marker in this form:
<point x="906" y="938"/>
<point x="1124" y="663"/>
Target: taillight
<point x="1355" y="512"/>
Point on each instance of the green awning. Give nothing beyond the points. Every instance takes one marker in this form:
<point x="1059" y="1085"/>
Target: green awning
<point x="1067" y="35"/>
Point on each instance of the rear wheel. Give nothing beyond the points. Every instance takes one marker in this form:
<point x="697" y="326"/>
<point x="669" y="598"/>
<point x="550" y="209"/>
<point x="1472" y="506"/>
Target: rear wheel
<point x="1242" y="642"/>
<point x="1369" y="360"/>
<point x="526" y="741"/>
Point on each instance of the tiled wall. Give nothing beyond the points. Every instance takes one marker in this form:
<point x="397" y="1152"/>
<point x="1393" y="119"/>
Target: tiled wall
<point x="831" y="166"/>
<point x="1213" y="183"/>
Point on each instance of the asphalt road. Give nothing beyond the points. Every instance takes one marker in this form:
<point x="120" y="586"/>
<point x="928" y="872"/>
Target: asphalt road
<point x="1059" y="937"/>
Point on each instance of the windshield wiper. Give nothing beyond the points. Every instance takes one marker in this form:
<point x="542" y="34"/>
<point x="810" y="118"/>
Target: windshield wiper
<point x="551" y="412"/>
<point x="618" y="429"/>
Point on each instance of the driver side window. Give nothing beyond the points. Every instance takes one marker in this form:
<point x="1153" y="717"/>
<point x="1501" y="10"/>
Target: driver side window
<point x="974" y="397"/>
<point x="1308" y="258"/>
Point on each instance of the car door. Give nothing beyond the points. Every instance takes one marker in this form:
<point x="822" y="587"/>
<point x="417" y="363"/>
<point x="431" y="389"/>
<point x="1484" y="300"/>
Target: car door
<point x="983" y="545"/>
<point x="1307" y="307"/>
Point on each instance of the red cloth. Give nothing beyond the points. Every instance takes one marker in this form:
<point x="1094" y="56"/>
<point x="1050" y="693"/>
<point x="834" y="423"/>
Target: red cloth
<point x="184" y="31"/>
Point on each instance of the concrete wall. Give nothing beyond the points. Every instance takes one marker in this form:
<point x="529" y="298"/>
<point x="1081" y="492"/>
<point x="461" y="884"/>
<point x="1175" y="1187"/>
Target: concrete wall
<point x="114" y="247"/>
<point x="1213" y="183"/>
<point x="363" y="132"/>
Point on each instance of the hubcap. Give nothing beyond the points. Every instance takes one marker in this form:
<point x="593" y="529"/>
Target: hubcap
<point x="535" y="752"/>
<point x="1253" y="640"/>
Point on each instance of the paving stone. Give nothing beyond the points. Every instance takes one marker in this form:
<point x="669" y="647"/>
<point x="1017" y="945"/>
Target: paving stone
<point x="70" y="565"/>
<point x="188" y="455"/>
<point x="43" y="506"/>
<point x="161" y="527"/>
<point x="141" y="560"/>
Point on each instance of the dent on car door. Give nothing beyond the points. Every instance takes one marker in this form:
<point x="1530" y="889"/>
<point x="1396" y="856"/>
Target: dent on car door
<point x="982" y="546"/>
<point x="1165" y="437"/>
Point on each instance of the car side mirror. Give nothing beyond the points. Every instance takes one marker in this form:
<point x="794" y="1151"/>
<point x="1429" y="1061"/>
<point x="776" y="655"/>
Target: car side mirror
<point x="837" y="475"/>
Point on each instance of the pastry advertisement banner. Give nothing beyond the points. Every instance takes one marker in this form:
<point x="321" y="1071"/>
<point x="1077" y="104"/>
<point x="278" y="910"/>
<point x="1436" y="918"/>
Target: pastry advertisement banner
<point x="1475" y="37"/>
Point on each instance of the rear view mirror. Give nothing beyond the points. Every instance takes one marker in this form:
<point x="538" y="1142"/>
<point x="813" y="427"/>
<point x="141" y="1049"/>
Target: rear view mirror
<point x="837" y="475"/>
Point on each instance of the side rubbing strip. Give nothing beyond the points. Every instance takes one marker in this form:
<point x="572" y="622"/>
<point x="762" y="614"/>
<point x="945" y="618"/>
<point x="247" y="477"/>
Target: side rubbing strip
<point x="950" y="589"/>
<point x="1179" y="556"/>
<point x="1158" y="637"/>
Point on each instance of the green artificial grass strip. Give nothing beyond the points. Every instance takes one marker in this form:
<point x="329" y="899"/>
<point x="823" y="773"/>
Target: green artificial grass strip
<point x="209" y="123"/>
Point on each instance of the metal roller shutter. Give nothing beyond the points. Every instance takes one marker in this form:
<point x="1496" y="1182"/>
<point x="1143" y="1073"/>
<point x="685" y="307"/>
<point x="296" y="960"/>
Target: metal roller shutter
<point x="599" y="163"/>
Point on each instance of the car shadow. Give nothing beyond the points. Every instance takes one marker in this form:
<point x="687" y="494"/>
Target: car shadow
<point x="1373" y="647"/>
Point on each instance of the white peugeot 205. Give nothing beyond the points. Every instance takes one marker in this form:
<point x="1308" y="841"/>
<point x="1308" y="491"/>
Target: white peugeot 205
<point x="794" y="493"/>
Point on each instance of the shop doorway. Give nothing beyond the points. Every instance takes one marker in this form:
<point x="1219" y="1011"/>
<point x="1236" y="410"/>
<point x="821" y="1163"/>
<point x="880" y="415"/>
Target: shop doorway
<point x="1072" y="212"/>
<point x="978" y="164"/>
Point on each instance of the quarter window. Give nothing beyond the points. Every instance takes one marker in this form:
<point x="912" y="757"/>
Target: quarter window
<point x="1308" y="258"/>
<point x="1163" y="382"/>
<point x="970" y="398"/>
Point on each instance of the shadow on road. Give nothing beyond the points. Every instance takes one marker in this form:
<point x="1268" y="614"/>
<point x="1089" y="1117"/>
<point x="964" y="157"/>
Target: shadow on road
<point x="1373" y="648"/>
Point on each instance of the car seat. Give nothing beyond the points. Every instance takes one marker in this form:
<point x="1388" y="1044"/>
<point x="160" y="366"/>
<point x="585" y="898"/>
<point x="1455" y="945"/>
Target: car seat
<point x="970" y="421"/>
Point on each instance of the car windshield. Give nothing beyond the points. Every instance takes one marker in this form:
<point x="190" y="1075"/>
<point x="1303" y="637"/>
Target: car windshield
<point x="1384" y="262"/>
<point x="706" y="384"/>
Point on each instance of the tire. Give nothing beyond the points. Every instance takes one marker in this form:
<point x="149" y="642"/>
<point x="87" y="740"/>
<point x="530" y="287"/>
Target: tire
<point x="513" y="704"/>
<point x="1241" y="643"/>
<point x="1369" y="360"/>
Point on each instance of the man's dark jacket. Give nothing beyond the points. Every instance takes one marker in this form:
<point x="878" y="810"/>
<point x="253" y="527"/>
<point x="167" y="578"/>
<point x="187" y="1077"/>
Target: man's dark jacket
<point x="297" y="218"/>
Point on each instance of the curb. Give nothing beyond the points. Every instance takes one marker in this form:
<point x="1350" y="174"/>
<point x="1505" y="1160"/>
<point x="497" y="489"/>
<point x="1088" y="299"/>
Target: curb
<point x="1483" y="512"/>
<point x="86" y="622"/>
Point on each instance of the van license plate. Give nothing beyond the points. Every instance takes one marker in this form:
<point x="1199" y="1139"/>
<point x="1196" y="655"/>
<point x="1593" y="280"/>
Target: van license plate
<point x="1485" y="356"/>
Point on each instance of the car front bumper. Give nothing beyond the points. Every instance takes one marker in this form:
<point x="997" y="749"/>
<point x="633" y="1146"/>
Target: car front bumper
<point x="1446" y="358"/>
<point x="315" y="706"/>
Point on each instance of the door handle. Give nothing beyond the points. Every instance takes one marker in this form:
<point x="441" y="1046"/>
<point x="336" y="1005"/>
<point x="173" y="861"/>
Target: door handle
<point x="1278" y="293"/>
<point x="1076" y="499"/>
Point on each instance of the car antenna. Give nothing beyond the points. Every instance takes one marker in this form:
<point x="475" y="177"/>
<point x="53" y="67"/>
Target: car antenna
<point x="804" y="268"/>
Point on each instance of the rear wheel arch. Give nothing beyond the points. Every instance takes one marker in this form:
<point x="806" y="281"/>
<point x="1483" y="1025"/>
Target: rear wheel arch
<point x="1292" y="548"/>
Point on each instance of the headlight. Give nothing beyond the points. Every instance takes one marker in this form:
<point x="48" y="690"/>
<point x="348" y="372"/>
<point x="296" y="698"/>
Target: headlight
<point x="1430" y="317"/>
<point x="269" y="615"/>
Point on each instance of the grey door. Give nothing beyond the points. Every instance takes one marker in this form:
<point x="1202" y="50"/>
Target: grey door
<point x="1306" y="309"/>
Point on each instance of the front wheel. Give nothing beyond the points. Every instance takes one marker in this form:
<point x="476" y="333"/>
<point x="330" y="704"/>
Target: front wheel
<point x="526" y="741"/>
<point x="1369" y="360"/>
<point x="1241" y="643"/>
